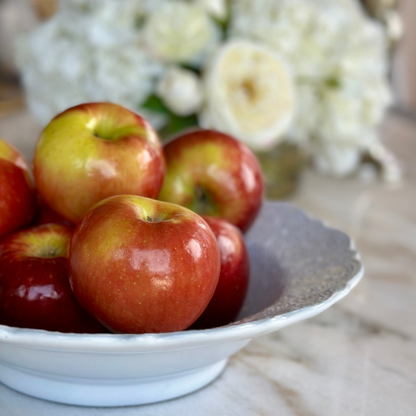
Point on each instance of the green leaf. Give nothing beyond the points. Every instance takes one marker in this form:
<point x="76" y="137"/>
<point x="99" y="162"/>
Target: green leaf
<point x="177" y="124"/>
<point x="154" y="103"/>
<point x="333" y="82"/>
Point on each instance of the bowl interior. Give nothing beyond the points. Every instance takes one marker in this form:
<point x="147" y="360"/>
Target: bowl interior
<point x="296" y="262"/>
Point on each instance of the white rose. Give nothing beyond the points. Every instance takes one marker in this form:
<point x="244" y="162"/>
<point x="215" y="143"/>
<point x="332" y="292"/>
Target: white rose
<point x="180" y="32"/>
<point x="181" y="91"/>
<point x="249" y="94"/>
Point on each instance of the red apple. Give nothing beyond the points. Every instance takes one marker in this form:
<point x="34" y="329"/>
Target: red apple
<point x="234" y="276"/>
<point x="140" y="265"/>
<point x="93" y="151"/>
<point x="213" y="174"/>
<point x="34" y="284"/>
<point x="46" y="215"/>
<point x="17" y="193"/>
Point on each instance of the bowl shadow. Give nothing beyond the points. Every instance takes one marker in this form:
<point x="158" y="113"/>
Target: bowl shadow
<point x="267" y="280"/>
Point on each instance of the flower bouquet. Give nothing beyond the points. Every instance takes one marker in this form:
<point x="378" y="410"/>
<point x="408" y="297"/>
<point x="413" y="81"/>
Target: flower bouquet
<point x="312" y="74"/>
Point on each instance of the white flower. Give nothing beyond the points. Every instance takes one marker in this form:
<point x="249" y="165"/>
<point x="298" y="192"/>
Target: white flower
<point x="303" y="31"/>
<point x="123" y="75"/>
<point x="180" y="32"/>
<point x="338" y="56"/>
<point x="215" y="8"/>
<point x="249" y="94"/>
<point x="181" y="91"/>
<point x="81" y="55"/>
<point x="121" y="13"/>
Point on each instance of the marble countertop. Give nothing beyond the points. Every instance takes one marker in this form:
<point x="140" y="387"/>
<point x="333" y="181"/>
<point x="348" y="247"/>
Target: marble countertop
<point x="357" y="358"/>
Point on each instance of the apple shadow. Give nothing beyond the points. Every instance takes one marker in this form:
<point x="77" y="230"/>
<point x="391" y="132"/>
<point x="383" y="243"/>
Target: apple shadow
<point x="267" y="280"/>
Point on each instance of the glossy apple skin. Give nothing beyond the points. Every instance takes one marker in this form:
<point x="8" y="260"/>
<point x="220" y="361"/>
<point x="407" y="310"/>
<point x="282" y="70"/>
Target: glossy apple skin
<point x="234" y="276"/>
<point x="143" y="266"/>
<point x="17" y="193"/>
<point x="213" y="174"/>
<point x="34" y="285"/>
<point x="93" y="151"/>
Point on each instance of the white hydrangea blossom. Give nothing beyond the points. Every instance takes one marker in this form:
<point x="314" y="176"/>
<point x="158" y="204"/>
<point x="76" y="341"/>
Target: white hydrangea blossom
<point x="95" y="50"/>
<point x="338" y="56"/>
<point x="89" y="51"/>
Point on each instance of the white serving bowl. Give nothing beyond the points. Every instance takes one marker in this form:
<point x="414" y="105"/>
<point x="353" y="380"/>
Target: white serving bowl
<point x="299" y="268"/>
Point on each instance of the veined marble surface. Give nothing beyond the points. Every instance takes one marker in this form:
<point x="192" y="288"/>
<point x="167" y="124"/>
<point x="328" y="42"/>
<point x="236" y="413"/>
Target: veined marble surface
<point x="356" y="359"/>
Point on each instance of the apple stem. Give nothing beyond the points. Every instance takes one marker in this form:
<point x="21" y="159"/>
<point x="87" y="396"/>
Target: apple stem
<point x="203" y="202"/>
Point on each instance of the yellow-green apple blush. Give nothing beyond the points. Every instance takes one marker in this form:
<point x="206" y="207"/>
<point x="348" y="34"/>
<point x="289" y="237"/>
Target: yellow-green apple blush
<point x="93" y="151"/>
<point x="213" y="174"/>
